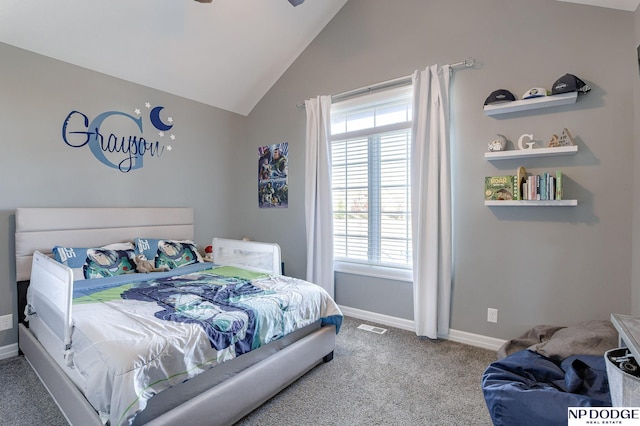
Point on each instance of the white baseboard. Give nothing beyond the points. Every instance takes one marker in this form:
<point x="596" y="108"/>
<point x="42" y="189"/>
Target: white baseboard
<point x="8" y="351"/>
<point x="401" y="323"/>
<point x="477" y="340"/>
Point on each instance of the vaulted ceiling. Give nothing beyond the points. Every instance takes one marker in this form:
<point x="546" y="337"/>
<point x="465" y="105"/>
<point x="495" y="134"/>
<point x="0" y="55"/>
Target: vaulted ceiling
<point x="227" y="53"/>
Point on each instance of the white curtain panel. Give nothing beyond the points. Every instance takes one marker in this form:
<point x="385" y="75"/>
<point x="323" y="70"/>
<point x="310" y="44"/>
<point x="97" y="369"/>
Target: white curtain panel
<point x="431" y="202"/>
<point x="318" y="200"/>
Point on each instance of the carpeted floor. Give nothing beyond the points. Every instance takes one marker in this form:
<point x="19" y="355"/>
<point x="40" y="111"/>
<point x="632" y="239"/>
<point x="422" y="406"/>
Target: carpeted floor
<point x="388" y="379"/>
<point x="24" y="401"/>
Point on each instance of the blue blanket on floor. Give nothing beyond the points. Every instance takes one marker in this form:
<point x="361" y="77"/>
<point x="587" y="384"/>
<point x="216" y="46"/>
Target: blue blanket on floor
<point x="527" y="388"/>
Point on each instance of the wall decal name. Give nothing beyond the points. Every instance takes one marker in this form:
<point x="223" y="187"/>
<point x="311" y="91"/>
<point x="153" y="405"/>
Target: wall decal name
<point x="116" y="138"/>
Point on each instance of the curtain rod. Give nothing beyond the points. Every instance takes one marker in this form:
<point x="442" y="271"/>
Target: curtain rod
<point x="396" y="82"/>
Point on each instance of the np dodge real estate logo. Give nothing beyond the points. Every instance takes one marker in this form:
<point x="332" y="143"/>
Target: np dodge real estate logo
<point x="117" y="138"/>
<point x="625" y="416"/>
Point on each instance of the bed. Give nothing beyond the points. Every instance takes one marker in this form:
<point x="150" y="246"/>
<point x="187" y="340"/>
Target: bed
<point x="229" y="358"/>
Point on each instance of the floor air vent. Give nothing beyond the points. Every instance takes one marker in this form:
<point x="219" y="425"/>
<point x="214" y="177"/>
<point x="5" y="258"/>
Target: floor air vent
<point x="372" y="329"/>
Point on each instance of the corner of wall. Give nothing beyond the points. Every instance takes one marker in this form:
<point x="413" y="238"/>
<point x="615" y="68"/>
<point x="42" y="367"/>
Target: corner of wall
<point x="635" y="271"/>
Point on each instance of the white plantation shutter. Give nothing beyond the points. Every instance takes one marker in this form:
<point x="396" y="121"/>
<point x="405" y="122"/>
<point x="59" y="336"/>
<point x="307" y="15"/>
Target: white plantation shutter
<point x="371" y="141"/>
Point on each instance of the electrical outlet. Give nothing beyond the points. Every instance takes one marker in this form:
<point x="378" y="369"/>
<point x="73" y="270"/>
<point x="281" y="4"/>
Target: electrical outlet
<point x="492" y="315"/>
<point x="6" y="322"/>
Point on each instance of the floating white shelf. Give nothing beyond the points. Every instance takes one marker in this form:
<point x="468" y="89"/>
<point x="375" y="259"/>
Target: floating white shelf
<point x="540" y="152"/>
<point x="533" y="103"/>
<point x="531" y="203"/>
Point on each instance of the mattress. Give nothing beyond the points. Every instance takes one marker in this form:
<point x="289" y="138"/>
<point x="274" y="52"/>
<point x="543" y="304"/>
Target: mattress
<point x="174" y="396"/>
<point x="136" y="336"/>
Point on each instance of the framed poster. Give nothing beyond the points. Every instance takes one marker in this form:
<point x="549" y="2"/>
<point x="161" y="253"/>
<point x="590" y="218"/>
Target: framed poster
<point x="273" y="171"/>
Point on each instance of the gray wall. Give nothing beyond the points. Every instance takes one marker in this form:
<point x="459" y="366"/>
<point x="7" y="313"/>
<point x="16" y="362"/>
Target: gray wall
<point x="635" y="283"/>
<point x="37" y="169"/>
<point x="536" y="265"/>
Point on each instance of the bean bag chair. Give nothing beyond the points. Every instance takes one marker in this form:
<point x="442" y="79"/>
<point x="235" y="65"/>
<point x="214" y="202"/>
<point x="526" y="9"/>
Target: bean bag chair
<point x="527" y="388"/>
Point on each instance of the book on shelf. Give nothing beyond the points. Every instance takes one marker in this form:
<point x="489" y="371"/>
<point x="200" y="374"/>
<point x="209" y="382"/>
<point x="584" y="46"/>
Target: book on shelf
<point x="534" y="187"/>
<point x="522" y="186"/>
<point x="544" y="187"/>
<point x="501" y="188"/>
<point x="550" y="187"/>
<point x="558" y="185"/>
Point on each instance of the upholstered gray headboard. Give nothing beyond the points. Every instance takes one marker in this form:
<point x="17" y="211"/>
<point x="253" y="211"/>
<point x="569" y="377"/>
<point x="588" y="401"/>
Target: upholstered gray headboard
<point x="43" y="228"/>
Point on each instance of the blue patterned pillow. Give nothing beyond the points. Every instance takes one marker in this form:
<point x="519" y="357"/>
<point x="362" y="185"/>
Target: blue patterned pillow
<point x="97" y="262"/>
<point x="171" y="253"/>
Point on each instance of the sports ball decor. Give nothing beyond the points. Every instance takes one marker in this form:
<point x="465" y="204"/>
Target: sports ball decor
<point x="499" y="144"/>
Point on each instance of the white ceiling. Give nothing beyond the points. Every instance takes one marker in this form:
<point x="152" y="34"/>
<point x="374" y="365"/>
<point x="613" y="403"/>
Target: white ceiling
<point x="227" y="53"/>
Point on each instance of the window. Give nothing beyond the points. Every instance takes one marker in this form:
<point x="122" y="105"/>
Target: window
<point x="370" y="154"/>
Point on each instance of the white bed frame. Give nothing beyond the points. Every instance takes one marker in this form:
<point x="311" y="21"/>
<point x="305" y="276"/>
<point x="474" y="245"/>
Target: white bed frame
<point x="39" y="229"/>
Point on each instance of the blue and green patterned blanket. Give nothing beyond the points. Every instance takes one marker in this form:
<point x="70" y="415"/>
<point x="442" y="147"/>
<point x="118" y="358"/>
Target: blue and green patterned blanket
<point x="136" y="335"/>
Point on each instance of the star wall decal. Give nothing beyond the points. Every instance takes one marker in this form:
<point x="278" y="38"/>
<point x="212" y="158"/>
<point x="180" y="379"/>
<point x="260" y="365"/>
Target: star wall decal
<point x="156" y="121"/>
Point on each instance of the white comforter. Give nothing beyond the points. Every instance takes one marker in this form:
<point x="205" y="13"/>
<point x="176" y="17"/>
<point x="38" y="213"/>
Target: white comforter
<point x="133" y="340"/>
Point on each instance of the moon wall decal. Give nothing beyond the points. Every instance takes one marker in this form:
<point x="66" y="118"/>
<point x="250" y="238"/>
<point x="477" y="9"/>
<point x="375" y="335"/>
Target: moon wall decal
<point x="154" y="116"/>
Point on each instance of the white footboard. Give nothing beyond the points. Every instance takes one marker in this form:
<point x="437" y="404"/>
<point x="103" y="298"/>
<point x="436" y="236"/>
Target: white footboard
<point x="50" y="295"/>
